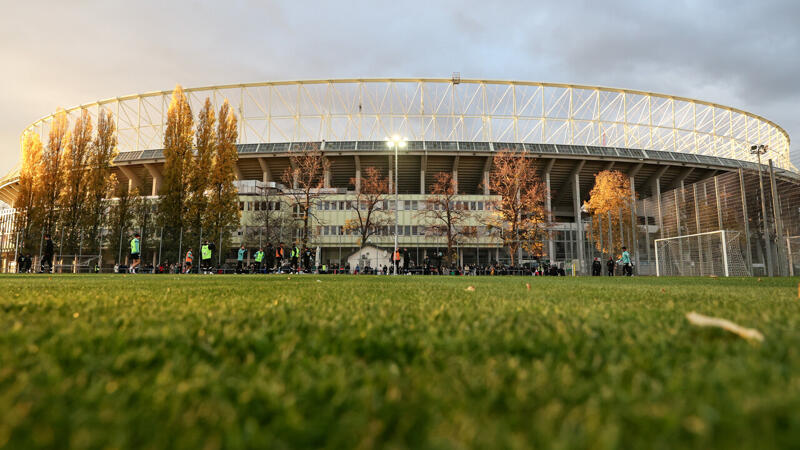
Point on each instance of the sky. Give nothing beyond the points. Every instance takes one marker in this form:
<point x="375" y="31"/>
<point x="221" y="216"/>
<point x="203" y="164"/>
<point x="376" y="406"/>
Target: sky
<point x="60" y="54"/>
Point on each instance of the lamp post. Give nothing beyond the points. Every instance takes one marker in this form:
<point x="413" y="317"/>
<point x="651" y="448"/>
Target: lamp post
<point x="396" y="142"/>
<point x="759" y="150"/>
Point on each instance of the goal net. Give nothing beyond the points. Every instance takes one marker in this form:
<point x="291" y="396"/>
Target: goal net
<point x="713" y="253"/>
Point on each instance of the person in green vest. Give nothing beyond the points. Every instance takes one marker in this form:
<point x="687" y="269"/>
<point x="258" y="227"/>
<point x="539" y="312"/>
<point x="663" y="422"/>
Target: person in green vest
<point x="324" y="268"/>
<point x="135" y="252"/>
<point x="240" y="259"/>
<point x="294" y="256"/>
<point x="205" y="257"/>
<point x="259" y="259"/>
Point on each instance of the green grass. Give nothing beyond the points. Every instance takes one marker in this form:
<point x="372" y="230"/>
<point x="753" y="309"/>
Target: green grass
<point x="195" y="362"/>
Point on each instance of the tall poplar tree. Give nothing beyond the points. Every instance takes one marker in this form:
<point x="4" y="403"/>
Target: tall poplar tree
<point x="223" y="206"/>
<point x="53" y="168"/>
<point x="100" y="183"/>
<point x="72" y="196"/>
<point x="30" y="198"/>
<point x="199" y="175"/>
<point x="178" y="160"/>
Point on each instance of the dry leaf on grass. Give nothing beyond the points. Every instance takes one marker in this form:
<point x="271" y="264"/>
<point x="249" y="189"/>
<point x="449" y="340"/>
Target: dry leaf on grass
<point x="528" y="285"/>
<point x="705" y="321"/>
<point x="470" y="288"/>
<point x="712" y="276"/>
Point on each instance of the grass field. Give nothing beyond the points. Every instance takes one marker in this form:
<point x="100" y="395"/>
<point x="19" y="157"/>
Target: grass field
<point x="197" y="362"/>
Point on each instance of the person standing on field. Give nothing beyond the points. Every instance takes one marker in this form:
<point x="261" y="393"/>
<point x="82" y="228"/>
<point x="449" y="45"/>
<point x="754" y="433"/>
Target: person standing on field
<point x="294" y="257"/>
<point x="205" y="257"/>
<point x="135" y="253"/>
<point x="269" y="257"/>
<point x="625" y="260"/>
<point x="279" y="255"/>
<point x="188" y="261"/>
<point x="240" y="259"/>
<point x="259" y="259"/>
<point x="610" y="266"/>
<point x="597" y="269"/>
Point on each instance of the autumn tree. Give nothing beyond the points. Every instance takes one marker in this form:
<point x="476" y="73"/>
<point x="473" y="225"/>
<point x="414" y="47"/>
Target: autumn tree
<point x="121" y="219"/>
<point x="223" y="211"/>
<point x="609" y="203"/>
<point x="369" y="197"/>
<point x="100" y="182"/>
<point x="197" y="201"/>
<point x="53" y="168"/>
<point x="72" y="202"/>
<point x="446" y="215"/>
<point x="31" y="189"/>
<point x="305" y="176"/>
<point x="519" y="217"/>
<point x="178" y="161"/>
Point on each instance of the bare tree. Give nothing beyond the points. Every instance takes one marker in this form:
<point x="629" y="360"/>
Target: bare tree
<point x="446" y="215"/>
<point x="306" y="179"/>
<point x="272" y="218"/>
<point x="369" y="216"/>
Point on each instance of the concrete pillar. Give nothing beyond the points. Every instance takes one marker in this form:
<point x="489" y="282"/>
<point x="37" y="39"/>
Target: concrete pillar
<point x="154" y="172"/>
<point x="634" y="225"/>
<point x="576" y="205"/>
<point x="133" y="180"/>
<point x="266" y="176"/>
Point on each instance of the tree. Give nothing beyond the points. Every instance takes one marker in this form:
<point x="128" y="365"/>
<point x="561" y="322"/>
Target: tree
<point x="223" y="210"/>
<point x="306" y="178"/>
<point x="31" y="189"/>
<point x="74" y="215"/>
<point x="178" y="138"/>
<point x="272" y="218"/>
<point x="197" y="201"/>
<point x="121" y="219"/>
<point x="100" y="183"/>
<point x="369" y="217"/>
<point x="519" y="217"/>
<point x="53" y="168"/>
<point x="446" y="214"/>
<point x="610" y="196"/>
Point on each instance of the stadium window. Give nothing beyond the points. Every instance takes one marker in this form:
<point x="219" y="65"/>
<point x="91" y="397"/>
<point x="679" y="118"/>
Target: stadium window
<point x="472" y="206"/>
<point x="241" y="206"/>
<point x="480" y="206"/>
<point x="341" y="205"/>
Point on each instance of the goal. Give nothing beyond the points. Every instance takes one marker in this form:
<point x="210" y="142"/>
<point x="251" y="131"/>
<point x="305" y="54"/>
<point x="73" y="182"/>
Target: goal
<point x="713" y="253"/>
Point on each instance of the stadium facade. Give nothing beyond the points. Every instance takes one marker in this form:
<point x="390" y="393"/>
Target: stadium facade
<point x="680" y="154"/>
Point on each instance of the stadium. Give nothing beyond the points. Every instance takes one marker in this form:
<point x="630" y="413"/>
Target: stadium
<point x="691" y="164"/>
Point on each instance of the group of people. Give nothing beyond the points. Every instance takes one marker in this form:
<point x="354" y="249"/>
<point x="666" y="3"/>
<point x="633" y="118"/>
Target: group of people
<point x="276" y="259"/>
<point x="25" y="260"/>
<point x="624" y="261"/>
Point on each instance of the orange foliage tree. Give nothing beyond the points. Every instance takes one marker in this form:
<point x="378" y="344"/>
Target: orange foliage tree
<point x="610" y="196"/>
<point x="31" y="190"/>
<point x="519" y="218"/>
<point x="370" y="196"/>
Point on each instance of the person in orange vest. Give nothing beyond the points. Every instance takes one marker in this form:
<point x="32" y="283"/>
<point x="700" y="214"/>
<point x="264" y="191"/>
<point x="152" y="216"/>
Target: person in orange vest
<point x="279" y="254"/>
<point x="188" y="262"/>
<point x="396" y="259"/>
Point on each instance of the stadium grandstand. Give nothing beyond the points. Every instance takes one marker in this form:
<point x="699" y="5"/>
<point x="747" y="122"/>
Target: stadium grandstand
<point x="691" y="163"/>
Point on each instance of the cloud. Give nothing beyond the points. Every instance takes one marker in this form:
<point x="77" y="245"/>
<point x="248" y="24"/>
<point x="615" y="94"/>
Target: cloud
<point x="67" y="53"/>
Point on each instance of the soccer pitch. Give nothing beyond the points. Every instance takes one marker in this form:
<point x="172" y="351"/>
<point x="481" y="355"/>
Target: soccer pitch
<point x="204" y="362"/>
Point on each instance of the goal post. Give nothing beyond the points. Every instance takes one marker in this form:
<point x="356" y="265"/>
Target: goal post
<point x="716" y="253"/>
